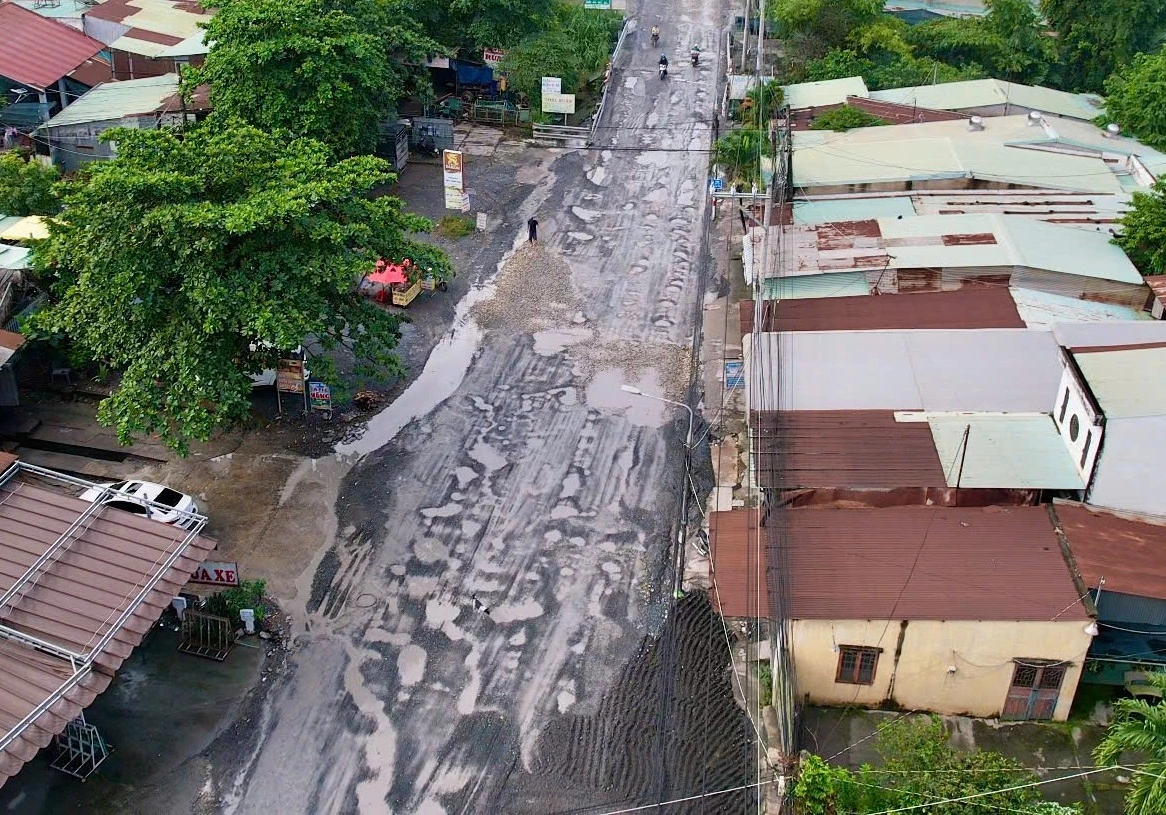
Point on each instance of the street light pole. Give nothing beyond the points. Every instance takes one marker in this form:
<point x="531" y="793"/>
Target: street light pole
<point x="682" y="532"/>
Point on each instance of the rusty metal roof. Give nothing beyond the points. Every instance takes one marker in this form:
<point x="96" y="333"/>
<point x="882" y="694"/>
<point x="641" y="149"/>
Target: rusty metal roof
<point x="37" y="51"/>
<point x="1157" y="284"/>
<point x="740" y="587"/>
<point x="970" y="307"/>
<point x="80" y="586"/>
<point x="843" y="448"/>
<point x="1129" y="554"/>
<point x="924" y="563"/>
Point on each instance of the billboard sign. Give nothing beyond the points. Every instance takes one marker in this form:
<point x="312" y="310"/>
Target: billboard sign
<point x="552" y="84"/>
<point x="217" y="573"/>
<point x="558" y="102"/>
<point x="453" y="164"/>
<point x="289" y="376"/>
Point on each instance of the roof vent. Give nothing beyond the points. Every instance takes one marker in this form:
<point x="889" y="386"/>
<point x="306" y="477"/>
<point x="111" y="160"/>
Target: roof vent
<point x="1112" y="130"/>
<point x="1034" y="117"/>
<point x="976" y="123"/>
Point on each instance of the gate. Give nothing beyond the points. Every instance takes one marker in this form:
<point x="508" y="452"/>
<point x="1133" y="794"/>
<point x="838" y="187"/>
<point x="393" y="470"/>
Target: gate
<point x="569" y="136"/>
<point x="1034" y="691"/>
<point x="206" y="635"/>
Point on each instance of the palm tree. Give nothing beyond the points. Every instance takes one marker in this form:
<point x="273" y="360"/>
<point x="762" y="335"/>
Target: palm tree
<point x="1139" y="727"/>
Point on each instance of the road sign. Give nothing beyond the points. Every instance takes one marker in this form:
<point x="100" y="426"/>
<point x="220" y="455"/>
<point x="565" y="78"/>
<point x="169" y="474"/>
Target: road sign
<point x="289" y="376"/>
<point x="600" y="4"/>
<point x="320" y="396"/>
<point x="734" y="374"/>
<point x="558" y="102"/>
<point x="717" y="184"/>
<point x="552" y="84"/>
<point x="217" y="573"/>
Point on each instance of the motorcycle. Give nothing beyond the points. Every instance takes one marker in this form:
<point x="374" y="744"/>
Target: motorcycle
<point x="655" y="38"/>
<point x="663" y="70"/>
<point x="695" y="57"/>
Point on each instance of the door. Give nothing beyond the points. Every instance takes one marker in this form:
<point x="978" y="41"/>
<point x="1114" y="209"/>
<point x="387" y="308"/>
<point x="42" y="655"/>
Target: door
<point x="1034" y="691"/>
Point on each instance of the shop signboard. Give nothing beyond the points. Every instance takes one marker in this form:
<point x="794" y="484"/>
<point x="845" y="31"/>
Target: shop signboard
<point x="217" y="573"/>
<point x="558" y="102"/>
<point x="320" y="397"/>
<point x="453" y="167"/>
<point x="289" y="376"/>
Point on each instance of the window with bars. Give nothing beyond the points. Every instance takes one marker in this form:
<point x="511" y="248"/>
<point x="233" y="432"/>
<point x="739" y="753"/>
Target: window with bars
<point x="856" y="665"/>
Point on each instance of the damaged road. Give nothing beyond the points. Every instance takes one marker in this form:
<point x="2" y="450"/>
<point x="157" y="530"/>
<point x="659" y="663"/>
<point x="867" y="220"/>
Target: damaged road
<point x="492" y="628"/>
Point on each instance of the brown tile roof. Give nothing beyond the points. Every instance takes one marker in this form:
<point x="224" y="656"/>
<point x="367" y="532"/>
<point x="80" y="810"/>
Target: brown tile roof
<point x="37" y="51"/>
<point x="736" y="552"/>
<point x="898" y="114"/>
<point x="970" y="307"/>
<point x="1157" y="284"/>
<point x="11" y="340"/>
<point x="924" y="563"/>
<point x="96" y="598"/>
<point x="1130" y="555"/>
<point x="844" y="448"/>
<point x="6" y="461"/>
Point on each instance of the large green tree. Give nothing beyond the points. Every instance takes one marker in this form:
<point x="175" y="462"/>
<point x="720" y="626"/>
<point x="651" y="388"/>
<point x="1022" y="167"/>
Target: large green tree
<point x="1009" y="42"/>
<point x="468" y="26"/>
<point x="192" y="259"/>
<point x="323" y="69"/>
<point x="812" y="27"/>
<point x="1142" y="231"/>
<point x="27" y="187"/>
<point x="1094" y="39"/>
<point x="1139" y="728"/>
<point x="1135" y="98"/>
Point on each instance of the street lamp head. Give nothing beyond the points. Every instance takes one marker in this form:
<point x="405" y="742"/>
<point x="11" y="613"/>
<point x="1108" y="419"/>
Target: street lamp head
<point x="630" y="389"/>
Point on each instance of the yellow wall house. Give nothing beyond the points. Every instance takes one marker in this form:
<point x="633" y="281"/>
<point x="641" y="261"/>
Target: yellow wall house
<point x="951" y="610"/>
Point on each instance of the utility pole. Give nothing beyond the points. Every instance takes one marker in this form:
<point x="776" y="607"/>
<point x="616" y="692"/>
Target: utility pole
<point x="760" y="39"/>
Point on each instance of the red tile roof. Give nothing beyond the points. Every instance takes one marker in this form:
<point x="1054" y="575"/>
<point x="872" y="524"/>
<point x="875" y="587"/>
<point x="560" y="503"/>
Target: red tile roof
<point x="924" y="563"/>
<point x="1130" y="555"/>
<point x="844" y="448"/>
<point x="37" y="51"/>
<point x="970" y="307"/>
<point x="739" y="588"/>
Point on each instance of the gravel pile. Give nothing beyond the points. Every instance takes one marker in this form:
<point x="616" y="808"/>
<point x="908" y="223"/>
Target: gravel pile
<point x="533" y="292"/>
<point x="672" y="363"/>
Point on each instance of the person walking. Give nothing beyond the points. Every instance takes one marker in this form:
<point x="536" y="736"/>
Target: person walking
<point x="532" y="230"/>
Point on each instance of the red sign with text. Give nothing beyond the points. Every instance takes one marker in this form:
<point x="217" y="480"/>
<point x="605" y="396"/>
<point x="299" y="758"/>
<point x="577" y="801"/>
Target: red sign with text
<point x="217" y="573"/>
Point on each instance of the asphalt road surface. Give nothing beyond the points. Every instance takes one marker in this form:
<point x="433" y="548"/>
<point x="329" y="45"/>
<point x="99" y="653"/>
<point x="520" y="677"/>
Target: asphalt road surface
<point x="493" y="628"/>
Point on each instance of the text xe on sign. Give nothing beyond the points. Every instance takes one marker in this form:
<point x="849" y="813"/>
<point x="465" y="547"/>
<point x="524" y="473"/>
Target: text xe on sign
<point x="217" y="573"/>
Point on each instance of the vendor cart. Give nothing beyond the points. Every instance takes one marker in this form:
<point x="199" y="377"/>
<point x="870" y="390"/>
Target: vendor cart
<point x="397" y="283"/>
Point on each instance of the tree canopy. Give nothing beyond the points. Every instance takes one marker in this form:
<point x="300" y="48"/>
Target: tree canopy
<point x="1139" y="727"/>
<point x="468" y="26"/>
<point x="818" y="25"/>
<point x="1142" y="231"/>
<point x="1095" y="39"/>
<point x="1134" y="99"/>
<point x="192" y="259"/>
<point x="320" y="69"/>
<point x="27" y="186"/>
<point x="846" y="118"/>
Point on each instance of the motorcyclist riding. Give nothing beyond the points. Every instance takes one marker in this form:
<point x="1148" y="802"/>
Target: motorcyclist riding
<point x="663" y="66"/>
<point x="655" y="35"/>
<point x="694" y="54"/>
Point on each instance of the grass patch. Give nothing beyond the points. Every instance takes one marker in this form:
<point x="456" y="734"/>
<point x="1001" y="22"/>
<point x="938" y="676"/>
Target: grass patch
<point x="454" y="226"/>
<point x="765" y="682"/>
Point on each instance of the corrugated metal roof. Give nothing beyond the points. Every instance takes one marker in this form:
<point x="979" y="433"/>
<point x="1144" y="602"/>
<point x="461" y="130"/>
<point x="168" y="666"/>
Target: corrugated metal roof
<point x="825" y="210"/>
<point x="15" y="257"/>
<point x="30" y="227"/>
<point x="983" y="93"/>
<point x="738" y="565"/>
<point x="155" y="25"/>
<point x="1040" y="309"/>
<point x="1157" y="284"/>
<point x="998" y="369"/>
<point x="843" y="448"/>
<point x="838" y="284"/>
<point x="1129" y="554"/>
<point x="825" y="92"/>
<point x="37" y="51"/>
<point x="1127" y="384"/>
<point x="1004" y="452"/>
<point x="976" y="240"/>
<point x="1081" y="336"/>
<point x="1128" y="473"/>
<point x="111" y="101"/>
<point x="968" y="308"/>
<point x="1007" y="150"/>
<point x="96" y="598"/>
<point x="925" y="563"/>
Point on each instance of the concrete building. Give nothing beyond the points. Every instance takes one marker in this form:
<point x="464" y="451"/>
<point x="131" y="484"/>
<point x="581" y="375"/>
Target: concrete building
<point x="954" y="610"/>
<point x="73" y="135"/>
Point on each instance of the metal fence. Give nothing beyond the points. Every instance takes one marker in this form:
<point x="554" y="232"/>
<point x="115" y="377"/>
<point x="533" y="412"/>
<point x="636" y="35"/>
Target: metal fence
<point x="598" y="117"/>
<point x="567" y="134"/>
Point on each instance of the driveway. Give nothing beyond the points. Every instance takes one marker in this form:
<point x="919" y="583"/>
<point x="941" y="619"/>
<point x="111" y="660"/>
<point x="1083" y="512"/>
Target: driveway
<point x="492" y="628"/>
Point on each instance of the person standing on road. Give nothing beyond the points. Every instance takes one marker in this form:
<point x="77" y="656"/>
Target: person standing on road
<point x="532" y="230"/>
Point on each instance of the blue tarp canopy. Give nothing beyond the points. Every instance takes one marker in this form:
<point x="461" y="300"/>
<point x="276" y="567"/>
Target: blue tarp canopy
<point x="470" y="74"/>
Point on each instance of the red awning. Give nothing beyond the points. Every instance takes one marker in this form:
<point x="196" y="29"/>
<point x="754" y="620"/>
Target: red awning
<point x="388" y="274"/>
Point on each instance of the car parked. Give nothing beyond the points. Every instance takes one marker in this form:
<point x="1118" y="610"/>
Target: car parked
<point x="155" y="501"/>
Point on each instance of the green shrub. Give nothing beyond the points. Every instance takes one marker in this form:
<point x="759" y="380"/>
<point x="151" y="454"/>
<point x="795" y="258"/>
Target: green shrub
<point x="846" y="118"/>
<point x="228" y="603"/>
<point x="454" y="226"/>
